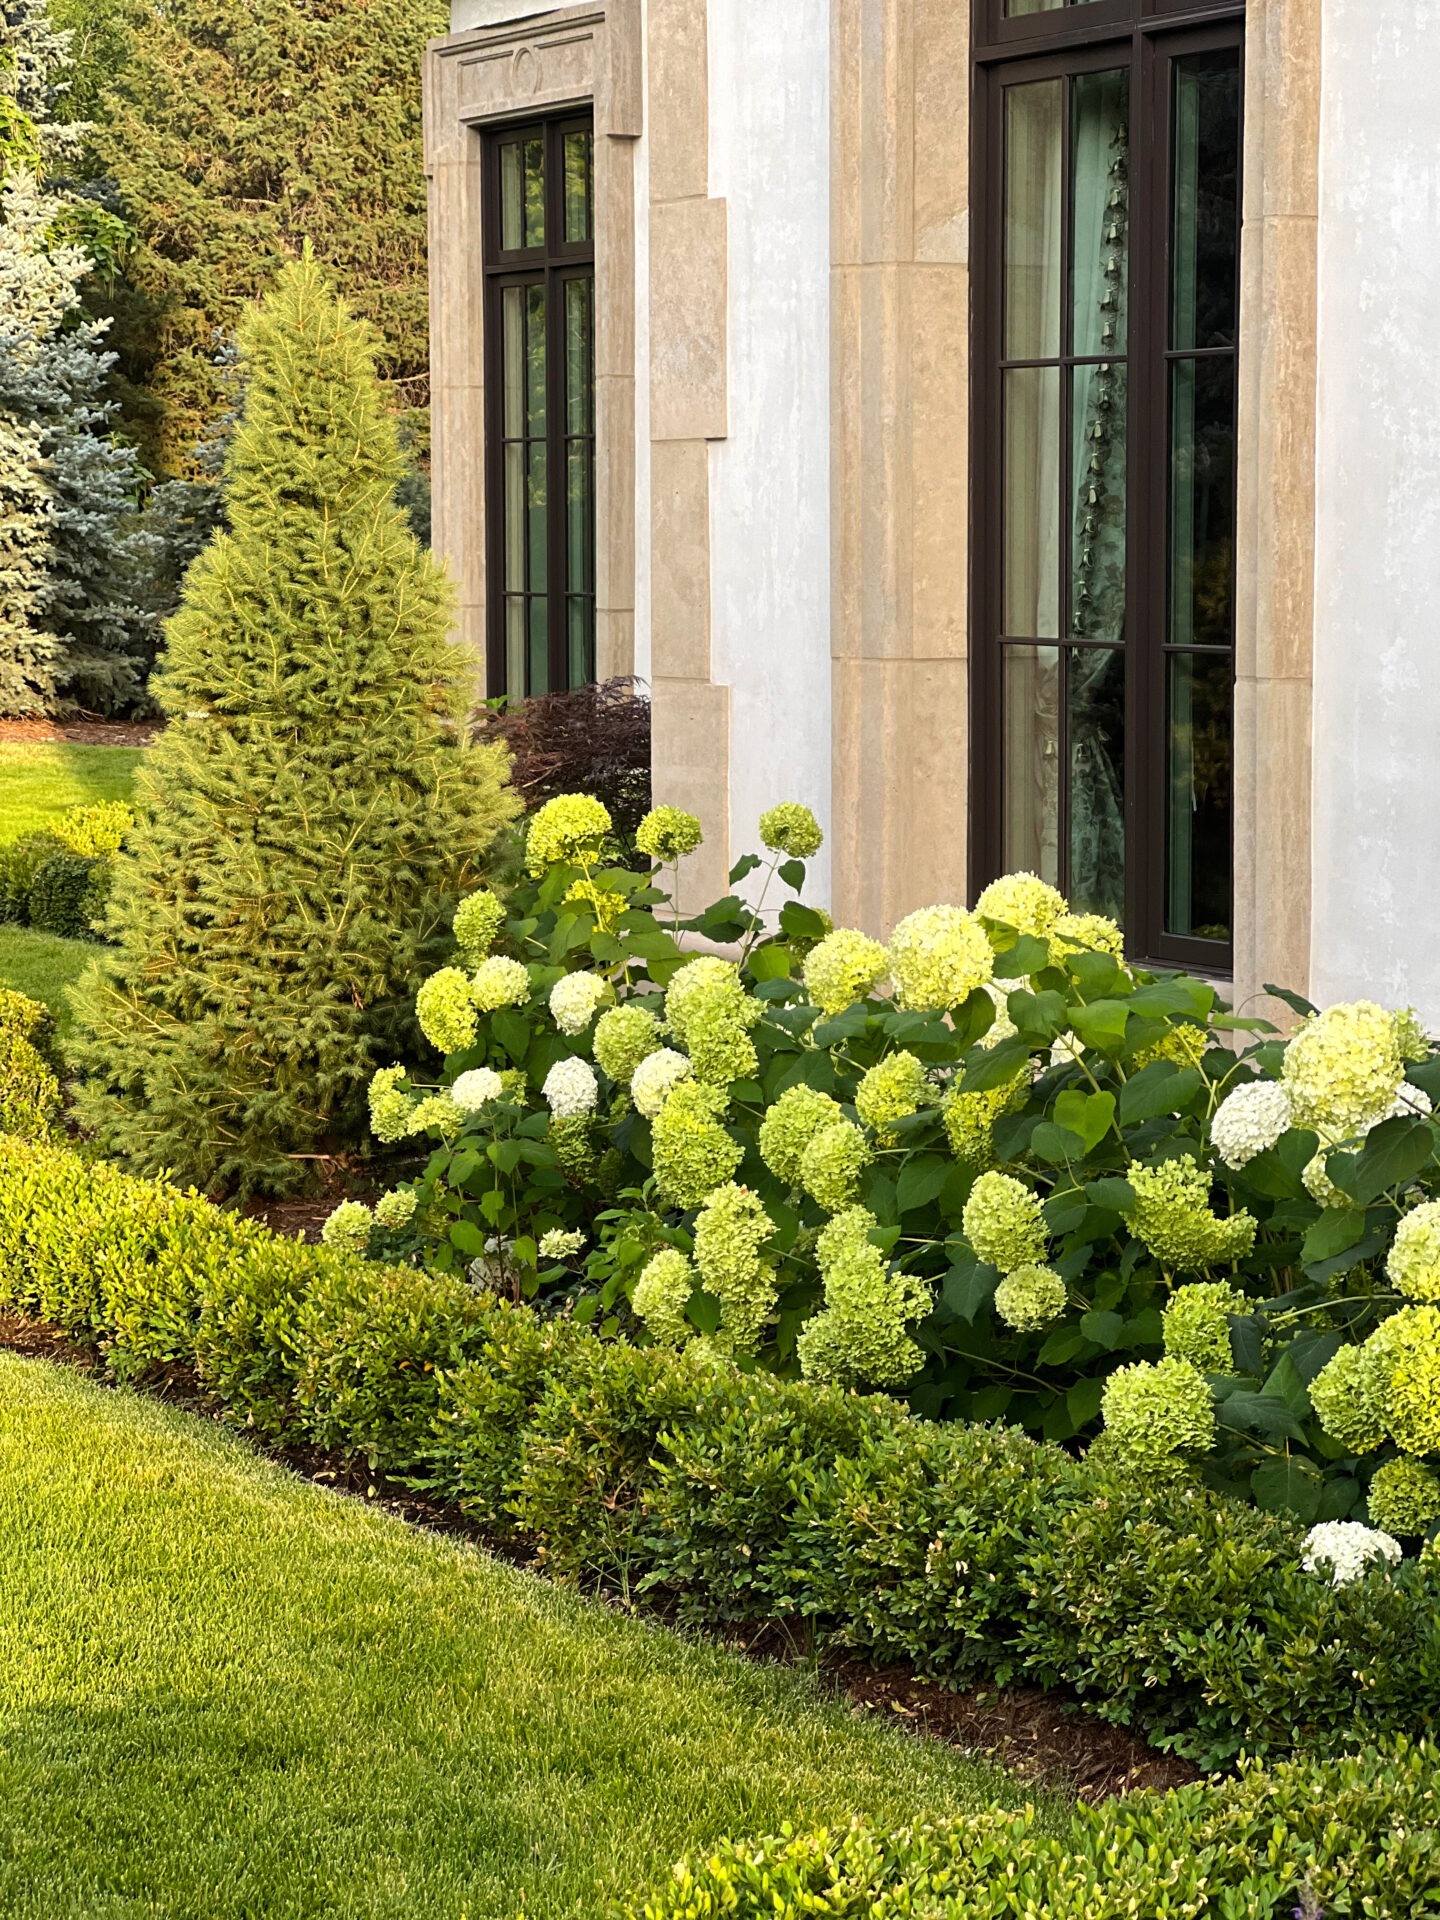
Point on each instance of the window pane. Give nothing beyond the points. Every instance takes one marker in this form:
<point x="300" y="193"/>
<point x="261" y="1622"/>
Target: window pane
<point x="1100" y="197"/>
<point x="1202" y="510"/>
<point x="580" y="517"/>
<point x="579" y="149"/>
<point x="1032" y="502"/>
<point x="1207" y="200"/>
<point x="1032" y="761"/>
<point x="538" y="678"/>
<point x="515" y="517"/>
<point x="581" y="649"/>
<point x="1095" y="703"/>
<point x="579" y="357"/>
<point x="534" y="361"/>
<point x="1097" y="483"/>
<point x="522" y="194"/>
<point x="1034" y="121"/>
<point x="1015" y="9"/>
<point x="515" y="645"/>
<point x="537" y="554"/>
<point x="1201" y="808"/>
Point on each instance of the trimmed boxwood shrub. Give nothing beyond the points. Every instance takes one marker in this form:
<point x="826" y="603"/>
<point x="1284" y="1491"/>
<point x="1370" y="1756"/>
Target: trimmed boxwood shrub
<point x="29" y="1086"/>
<point x="1305" y="1838"/>
<point x="972" y="1552"/>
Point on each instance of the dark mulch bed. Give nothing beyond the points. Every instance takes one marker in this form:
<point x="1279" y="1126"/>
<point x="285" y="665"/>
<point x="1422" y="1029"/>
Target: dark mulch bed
<point x="1042" y="1738"/>
<point x="82" y="733"/>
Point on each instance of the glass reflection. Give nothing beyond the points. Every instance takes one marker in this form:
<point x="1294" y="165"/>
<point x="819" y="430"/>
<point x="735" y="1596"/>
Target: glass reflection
<point x="1032" y="502"/>
<point x="1034" y="131"/>
<point x="1032" y="761"/>
<point x="1201" y="821"/>
<point x="1205" y="291"/>
<point x="1202" y="502"/>
<point x="1095" y="707"/>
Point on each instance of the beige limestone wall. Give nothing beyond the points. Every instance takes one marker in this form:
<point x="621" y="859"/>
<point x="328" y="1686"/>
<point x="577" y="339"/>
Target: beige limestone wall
<point x="504" y="70"/>
<point x="688" y="409"/>
<point x="1276" y="534"/>
<point x="900" y="424"/>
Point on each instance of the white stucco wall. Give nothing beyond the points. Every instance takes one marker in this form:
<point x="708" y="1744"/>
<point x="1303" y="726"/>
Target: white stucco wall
<point x="1376" y="809"/>
<point x="770" y="479"/>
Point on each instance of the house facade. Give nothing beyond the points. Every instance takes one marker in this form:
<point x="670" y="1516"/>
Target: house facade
<point x="1010" y="426"/>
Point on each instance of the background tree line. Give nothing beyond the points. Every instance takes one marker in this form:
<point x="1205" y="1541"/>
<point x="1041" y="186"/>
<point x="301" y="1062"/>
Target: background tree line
<point x="158" y="165"/>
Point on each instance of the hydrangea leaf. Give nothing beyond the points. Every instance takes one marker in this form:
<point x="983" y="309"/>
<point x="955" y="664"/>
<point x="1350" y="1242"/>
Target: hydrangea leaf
<point x="1393" y="1155"/>
<point x="1091" y="1115"/>
<point x="1333" y="1233"/>
<point x="1160" y="1088"/>
<point x="1027" y="956"/>
<point x="968" y="1286"/>
<point x="921" y="1181"/>
<point x="1104" y="1329"/>
<point x="1292" y="1486"/>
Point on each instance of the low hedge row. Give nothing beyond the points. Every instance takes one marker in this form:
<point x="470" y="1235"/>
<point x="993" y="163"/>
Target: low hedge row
<point x="975" y="1554"/>
<point x="1303" y="1838"/>
<point x="58" y="878"/>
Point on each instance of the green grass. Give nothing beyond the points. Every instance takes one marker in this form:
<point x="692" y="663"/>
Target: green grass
<point x="43" y="965"/>
<point x="229" y="1693"/>
<point x="37" y="784"/>
<point x="40" y="782"/>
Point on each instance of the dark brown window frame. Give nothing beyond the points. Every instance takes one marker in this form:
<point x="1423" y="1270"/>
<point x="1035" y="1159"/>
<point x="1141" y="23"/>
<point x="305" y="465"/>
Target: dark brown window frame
<point x="1147" y="36"/>
<point x="552" y="265"/>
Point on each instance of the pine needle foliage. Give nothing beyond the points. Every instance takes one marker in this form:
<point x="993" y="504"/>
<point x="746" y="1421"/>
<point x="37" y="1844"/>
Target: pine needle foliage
<point x="235" y="131"/>
<point x="310" y="815"/>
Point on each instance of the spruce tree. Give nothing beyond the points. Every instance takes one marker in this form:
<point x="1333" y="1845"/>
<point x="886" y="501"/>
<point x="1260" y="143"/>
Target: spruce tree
<point x="314" y="808"/>
<point x="72" y="630"/>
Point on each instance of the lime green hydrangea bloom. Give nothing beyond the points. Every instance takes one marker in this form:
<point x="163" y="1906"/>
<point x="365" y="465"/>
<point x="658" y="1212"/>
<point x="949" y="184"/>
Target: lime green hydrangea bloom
<point x="938" y="957"/>
<point x="730" y="1230"/>
<point x="1092" y="932"/>
<point x="576" y="998"/>
<point x="1196" y="1324"/>
<point x="446" y="1011"/>
<point x="1185" y="1044"/>
<point x="569" y="831"/>
<point x="1004" y="1223"/>
<point x="1172" y="1218"/>
<point x="970" y="1120"/>
<point x="436" y="1113"/>
<point x="844" y="967"/>
<point x="395" y="1209"/>
<point x="478" y="919"/>
<point x="389" y="1105"/>
<point x="1404" y="1498"/>
<point x="498" y="982"/>
<point x="790" y="1125"/>
<point x="892" y="1090"/>
<point x="661" y="1296"/>
<point x="572" y="1137"/>
<point x="831" y="1165"/>
<point x="1343" y="1069"/>
<point x="1318" y="1184"/>
<point x="623" y="1038"/>
<point x="1023" y="901"/>
<point x="1411" y="1036"/>
<point x="656" y="1077"/>
<point x="1030" y="1298"/>
<point x="792" y="829"/>
<point x="1414" y="1263"/>
<point x="861" y="1335"/>
<point x="710" y="1014"/>
<point x="608" y="907"/>
<point x="693" y="1154"/>
<point x="1154" y="1410"/>
<point x="1346" y="1396"/>
<point x="667" y="834"/>
<point x="348" y="1227"/>
<point x="1405" y="1353"/>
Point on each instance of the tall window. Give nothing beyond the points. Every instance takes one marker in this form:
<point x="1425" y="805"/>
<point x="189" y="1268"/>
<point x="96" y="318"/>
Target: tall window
<point x="1107" y="164"/>
<point x="540" y="406"/>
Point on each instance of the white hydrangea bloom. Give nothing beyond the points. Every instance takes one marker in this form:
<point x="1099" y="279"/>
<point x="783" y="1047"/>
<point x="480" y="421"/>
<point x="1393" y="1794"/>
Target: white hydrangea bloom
<point x="655" y="1078"/>
<point x="571" y="1089"/>
<point x="1249" y="1121"/>
<point x="1344" y="1549"/>
<point x="1004" y="1027"/>
<point x="476" y="1089"/>
<point x="1409" y="1101"/>
<point x="561" y="1243"/>
<point x="575" y="1000"/>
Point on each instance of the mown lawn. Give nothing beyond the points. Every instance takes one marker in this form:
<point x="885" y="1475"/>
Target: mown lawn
<point x="39" y="782"/>
<point x="229" y="1693"/>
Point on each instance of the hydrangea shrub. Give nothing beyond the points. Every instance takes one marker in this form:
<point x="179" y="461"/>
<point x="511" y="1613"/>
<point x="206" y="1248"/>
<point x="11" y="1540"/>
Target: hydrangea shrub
<point x="988" y="1165"/>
